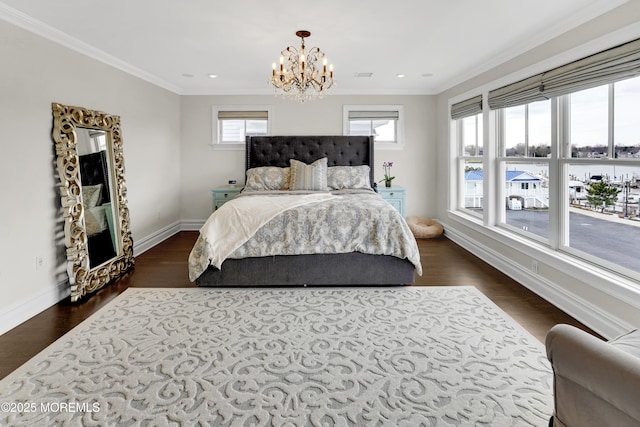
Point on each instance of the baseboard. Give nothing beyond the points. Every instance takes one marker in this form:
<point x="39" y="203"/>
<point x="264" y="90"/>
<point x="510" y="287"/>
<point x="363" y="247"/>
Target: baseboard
<point x="191" y="224"/>
<point x="159" y="236"/>
<point x="25" y="310"/>
<point x="22" y="311"/>
<point x="603" y="322"/>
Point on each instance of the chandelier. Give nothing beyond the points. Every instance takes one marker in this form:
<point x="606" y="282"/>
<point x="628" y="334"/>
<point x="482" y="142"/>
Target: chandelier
<point x="300" y="75"/>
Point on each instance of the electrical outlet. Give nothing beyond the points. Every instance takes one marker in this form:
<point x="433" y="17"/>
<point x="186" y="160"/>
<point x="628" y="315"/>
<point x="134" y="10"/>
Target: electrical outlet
<point x="534" y="266"/>
<point x="39" y="262"/>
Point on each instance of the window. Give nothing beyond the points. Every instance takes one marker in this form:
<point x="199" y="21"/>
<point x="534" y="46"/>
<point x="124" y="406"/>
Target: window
<point x="470" y="150"/>
<point x="232" y="124"/>
<point x="469" y="130"/>
<point x="565" y="153"/>
<point x="525" y="139"/>
<point x="384" y="122"/>
<point x="603" y="172"/>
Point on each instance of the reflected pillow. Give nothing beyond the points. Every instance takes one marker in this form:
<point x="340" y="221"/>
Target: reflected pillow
<point x="267" y="178"/>
<point x="348" y="177"/>
<point x="95" y="220"/>
<point x="91" y="195"/>
<point x="308" y="177"/>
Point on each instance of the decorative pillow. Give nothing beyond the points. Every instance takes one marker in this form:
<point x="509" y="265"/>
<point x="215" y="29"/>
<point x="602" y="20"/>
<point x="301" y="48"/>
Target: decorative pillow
<point x="308" y="177"/>
<point x="267" y="178"/>
<point x="91" y="195"/>
<point x="347" y="177"/>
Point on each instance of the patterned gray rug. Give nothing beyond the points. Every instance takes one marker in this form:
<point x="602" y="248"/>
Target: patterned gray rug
<point x="407" y="356"/>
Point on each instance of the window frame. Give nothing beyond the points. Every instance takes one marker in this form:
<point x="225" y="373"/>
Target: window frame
<point x="557" y="245"/>
<point x="464" y="159"/>
<point x="216" y="143"/>
<point x="399" y="142"/>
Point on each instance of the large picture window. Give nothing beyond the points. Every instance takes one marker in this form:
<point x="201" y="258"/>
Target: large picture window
<point x="564" y="150"/>
<point x="603" y="174"/>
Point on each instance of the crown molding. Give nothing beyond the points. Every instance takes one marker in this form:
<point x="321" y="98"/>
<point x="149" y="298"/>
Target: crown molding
<point x="585" y="15"/>
<point x="35" y="26"/>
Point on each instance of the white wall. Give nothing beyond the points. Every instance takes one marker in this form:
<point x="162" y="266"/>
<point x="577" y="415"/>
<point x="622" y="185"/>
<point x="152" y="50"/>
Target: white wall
<point x="204" y="168"/>
<point x="601" y="300"/>
<point x="34" y="73"/>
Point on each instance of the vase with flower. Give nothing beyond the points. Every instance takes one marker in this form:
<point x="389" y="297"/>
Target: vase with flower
<point x="387" y="174"/>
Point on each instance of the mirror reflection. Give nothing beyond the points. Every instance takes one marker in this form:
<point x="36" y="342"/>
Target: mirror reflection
<point x="97" y="195"/>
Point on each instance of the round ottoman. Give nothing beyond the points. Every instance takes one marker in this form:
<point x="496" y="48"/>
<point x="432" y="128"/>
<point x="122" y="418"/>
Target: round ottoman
<point x="424" y="228"/>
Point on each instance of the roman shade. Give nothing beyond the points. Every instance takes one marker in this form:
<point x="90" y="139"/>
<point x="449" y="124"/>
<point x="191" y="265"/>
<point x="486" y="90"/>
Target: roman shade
<point x="374" y="115"/>
<point x="618" y="63"/>
<point x="467" y="108"/>
<point x="243" y="115"/>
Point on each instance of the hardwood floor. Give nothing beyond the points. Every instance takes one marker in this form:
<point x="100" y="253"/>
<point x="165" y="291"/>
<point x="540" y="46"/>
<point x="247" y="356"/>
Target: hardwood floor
<point x="444" y="264"/>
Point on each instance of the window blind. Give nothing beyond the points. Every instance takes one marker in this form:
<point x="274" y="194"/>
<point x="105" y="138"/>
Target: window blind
<point x="374" y="115"/>
<point x="243" y="115"/>
<point x="618" y="63"/>
<point x="467" y="108"/>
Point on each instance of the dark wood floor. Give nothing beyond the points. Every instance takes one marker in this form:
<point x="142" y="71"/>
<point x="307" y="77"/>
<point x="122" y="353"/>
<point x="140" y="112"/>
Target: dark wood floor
<point x="444" y="264"/>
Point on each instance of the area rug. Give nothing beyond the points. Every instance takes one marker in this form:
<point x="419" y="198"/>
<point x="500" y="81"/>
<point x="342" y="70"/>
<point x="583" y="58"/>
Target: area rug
<point x="401" y="356"/>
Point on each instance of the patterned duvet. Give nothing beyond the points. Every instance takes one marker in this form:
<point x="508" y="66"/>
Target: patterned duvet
<point x="354" y="221"/>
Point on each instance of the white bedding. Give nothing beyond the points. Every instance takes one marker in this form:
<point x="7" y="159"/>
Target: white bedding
<point x="237" y="221"/>
<point x="277" y="224"/>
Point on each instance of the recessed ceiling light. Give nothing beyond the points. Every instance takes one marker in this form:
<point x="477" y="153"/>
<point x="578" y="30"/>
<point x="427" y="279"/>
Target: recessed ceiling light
<point x="213" y="76"/>
<point x="400" y="76"/>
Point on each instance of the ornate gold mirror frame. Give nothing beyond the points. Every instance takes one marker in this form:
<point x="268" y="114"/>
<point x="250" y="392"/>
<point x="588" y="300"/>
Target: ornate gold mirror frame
<point x="86" y="276"/>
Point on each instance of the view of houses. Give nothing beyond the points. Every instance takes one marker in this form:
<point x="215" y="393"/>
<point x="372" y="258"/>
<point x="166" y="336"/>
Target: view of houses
<point x="526" y="190"/>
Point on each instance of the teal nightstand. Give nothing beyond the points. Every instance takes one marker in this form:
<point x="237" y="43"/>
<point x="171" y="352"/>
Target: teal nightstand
<point x="224" y="193"/>
<point x="394" y="195"/>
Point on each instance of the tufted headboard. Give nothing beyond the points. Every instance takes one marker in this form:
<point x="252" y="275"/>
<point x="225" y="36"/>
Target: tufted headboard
<point x="339" y="150"/>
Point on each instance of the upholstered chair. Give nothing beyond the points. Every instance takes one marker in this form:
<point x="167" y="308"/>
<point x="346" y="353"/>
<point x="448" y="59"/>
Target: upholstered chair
<point x="596" y="382"/>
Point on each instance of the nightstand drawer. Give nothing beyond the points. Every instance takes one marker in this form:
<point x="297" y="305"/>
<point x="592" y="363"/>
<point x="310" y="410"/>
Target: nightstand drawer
<point x="394" y="196"/>
<point x="223" y="194"/>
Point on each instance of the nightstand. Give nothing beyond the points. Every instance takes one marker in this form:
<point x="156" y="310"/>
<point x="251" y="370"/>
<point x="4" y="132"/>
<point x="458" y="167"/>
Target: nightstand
<point x="394" y="195"/>
<point x="224" y="193"/>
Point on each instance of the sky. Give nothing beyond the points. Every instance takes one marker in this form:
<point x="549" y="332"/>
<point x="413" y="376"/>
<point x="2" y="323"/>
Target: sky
<point x="589" y="118"/>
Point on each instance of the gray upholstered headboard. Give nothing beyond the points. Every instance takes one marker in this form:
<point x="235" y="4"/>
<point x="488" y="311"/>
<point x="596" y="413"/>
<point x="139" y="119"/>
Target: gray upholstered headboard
<point x="339" y="150"/>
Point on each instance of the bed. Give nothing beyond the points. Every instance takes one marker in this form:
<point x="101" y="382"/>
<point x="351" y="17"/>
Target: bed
<point x="301" y="233"/>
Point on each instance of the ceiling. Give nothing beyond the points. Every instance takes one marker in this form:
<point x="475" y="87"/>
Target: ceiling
<point x="176" y="44"/>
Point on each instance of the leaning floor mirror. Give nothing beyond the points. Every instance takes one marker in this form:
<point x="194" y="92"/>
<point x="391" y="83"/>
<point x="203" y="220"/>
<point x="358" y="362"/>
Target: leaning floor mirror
<point x="93" y="193"/>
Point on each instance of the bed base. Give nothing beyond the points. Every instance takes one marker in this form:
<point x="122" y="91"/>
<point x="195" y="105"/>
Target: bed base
<point x="314" y="270"/>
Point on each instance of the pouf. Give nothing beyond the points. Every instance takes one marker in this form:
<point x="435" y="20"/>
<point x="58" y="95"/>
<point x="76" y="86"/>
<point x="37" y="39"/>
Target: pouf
<point x="424" y="228"/>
